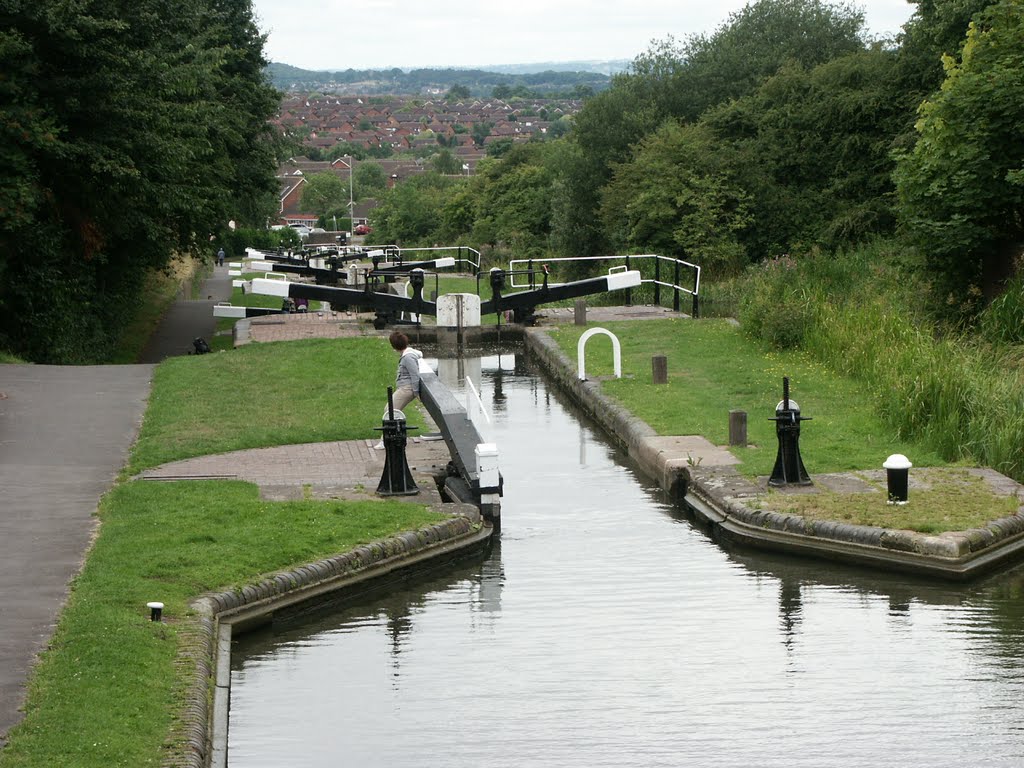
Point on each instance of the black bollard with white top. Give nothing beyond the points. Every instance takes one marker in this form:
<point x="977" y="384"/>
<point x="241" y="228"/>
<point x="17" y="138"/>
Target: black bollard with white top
<point x="396" y="480"/>
<point x="897" y="475"/>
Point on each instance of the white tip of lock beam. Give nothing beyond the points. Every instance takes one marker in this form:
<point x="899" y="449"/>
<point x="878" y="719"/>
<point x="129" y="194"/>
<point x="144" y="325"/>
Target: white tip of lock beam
<point x="222" y="310"/>
<point x="261" y="266"/>
<point x="444" y="261"/>
<point x="371" y="254"/>
<point x="238" y="284"/>
<point x="234" y="273"/>
<point x="266" y="287"/>
<point x="618" y="280"/>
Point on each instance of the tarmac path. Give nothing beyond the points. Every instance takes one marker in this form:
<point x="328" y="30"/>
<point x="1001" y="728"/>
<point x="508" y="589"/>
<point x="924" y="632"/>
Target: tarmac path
<point x="188" y="318"/>
<point x="65" y="433"/>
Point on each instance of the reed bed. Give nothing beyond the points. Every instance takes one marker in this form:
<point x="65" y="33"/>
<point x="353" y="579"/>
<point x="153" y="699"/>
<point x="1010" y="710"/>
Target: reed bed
<point x="860" y="314"/>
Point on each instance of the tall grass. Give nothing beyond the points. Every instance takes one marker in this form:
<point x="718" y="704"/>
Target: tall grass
<point x="859" y="314"/>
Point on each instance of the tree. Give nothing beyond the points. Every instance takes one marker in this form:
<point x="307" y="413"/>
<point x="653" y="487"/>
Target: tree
<point x="500" y="147"/>
<point x="457" y="92"/>
<point x="446" y="163"/>
<point x="501" y="91"/>
<point x="812" y="150"/>
<point x="411" y="213"/>
<point x="481" y="131"/>
<point x="324" y="194"/>
<point x="560" y="127"/>
<point x="138" y="131"/>
<point x="755" y="42"/>
<point x="369" y="179"/>
<point x="961" y="189"/>
<point x="515" y="196"/>
<point x="678" y="196"/>
<point x="937" y="29"/>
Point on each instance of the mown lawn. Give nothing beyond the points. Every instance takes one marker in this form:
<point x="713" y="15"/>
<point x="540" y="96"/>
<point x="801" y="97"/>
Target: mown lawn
<point x="259" y="395"/>
<point x="713" y="368"/>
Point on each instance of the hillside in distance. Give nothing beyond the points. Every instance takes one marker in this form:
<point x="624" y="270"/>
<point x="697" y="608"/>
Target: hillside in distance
<point x="435" y="81"/>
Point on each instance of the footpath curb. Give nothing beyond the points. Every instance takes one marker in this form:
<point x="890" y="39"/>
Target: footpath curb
<point x="204" y="720"/>
<point x="720" y="496"/>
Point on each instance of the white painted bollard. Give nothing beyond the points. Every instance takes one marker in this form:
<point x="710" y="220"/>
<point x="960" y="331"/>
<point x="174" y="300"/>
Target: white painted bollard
<point x="581" y="357"/>
<point x="897" y="473"/>
<point x="458" y="310"/>
<point x="490" y="480"/>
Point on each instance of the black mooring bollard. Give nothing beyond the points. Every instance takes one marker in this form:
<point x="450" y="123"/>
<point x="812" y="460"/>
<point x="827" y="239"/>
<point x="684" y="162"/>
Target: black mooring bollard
<point x="156" y="610"/>
<point x="897" y="474"/>
<point x="789" y="466"/>
<point x="396" y="479"/>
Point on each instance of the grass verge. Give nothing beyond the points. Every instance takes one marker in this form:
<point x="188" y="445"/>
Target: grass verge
<point x="713" y="368"/>
<point x="106" y="692"/>
<point x="259" y="395"/>
<point x="956" y="501"/>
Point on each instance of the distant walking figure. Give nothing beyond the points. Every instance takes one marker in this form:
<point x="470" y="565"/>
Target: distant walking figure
<point x="220" y="258"/>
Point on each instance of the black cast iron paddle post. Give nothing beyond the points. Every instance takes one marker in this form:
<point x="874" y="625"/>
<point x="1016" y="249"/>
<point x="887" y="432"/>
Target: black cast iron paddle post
<point x="789" y="466"/>
<point x="396" y="480"/>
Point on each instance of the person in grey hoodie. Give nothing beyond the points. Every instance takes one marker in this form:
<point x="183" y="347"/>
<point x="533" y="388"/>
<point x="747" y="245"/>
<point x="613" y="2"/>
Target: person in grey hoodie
<point x="407" y="379"/>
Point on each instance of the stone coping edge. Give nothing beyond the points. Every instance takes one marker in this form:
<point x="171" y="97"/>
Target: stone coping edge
<point x="204" y="727"/>
<point x="716" y="495"/>
<point x="633" y="433"/>
<point x="957" y="555"/>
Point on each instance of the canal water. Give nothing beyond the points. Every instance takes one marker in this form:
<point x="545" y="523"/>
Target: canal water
<point x="608" y="629"/>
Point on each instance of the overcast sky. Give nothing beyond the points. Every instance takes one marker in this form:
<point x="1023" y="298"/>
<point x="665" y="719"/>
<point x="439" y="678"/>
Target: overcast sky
<point x="381" y="34"/>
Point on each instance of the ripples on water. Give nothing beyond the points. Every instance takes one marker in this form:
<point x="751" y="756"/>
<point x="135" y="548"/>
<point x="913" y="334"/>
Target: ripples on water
<point x="606" y="629"/>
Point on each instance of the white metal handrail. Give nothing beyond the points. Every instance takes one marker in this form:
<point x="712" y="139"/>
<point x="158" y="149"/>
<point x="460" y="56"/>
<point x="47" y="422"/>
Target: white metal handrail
<point x="523" y="265"/>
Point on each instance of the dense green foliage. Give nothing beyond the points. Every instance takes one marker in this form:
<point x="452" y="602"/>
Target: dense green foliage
<point x="784" y="131"/>
<point x="130" y="133"/>
<point x="962" y="187"/>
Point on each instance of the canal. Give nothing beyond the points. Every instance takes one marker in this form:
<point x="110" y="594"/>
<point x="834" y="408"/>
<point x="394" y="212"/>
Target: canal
<point x="608" y="629"/>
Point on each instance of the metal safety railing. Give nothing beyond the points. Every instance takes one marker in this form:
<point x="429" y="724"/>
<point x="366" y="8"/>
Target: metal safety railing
<point x="465" y="257"/>
<point x="669" y="273"/>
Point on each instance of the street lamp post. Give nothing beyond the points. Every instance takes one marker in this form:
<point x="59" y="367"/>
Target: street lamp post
<point x="351" y="208"/>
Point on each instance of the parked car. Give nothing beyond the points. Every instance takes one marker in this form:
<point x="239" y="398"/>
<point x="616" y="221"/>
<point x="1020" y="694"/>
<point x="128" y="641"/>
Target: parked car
<point x="362" y="229"/>
<point x="301" y="230"/>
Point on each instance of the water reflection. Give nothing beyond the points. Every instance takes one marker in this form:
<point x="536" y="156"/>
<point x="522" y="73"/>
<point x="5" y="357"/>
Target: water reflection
<point x="607" y="628"/>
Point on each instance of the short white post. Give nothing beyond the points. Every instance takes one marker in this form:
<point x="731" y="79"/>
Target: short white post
<point x="490" y="480"/>
<point x="581" y="357"/>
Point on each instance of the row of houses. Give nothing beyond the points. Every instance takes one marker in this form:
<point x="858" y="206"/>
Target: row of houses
<point x="404" y="125"/>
